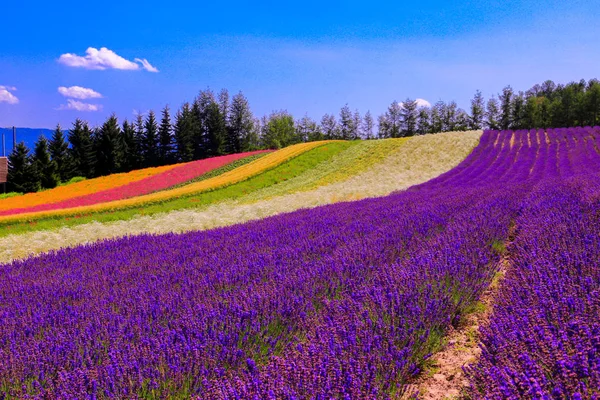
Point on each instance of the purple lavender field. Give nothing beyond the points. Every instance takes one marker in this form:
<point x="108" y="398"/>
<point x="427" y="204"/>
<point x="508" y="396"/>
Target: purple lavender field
<point x="345" y="301"/>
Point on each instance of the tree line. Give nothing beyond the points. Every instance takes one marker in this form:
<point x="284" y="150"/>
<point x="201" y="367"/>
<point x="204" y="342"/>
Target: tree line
<point x="215" y="124"/>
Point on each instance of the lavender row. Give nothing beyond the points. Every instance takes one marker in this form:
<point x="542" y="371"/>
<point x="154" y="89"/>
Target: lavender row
<point x="544" y="338"/>
<point x="342" y="301"/>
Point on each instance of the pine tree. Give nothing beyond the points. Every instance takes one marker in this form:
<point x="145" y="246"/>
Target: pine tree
<point x="477" y="111"/>
<point x="462" y="121"/>
<point x="150" y="141"/>
<point x="108" y="147"/>
<point x="346" y="125"/>
<point x="129" y="147"/>
<point x="165" y="138"/>
<point x="307" y="130"/>
<point x="409" y="116"/>
<point x="329" y="127"/>
<point x="367" y="126"/>
<point x="45" y="167"/>
<point x="383" y="130"/>
<point x="138" y="154"/>
<point x="184" y="133"/>
<point x="240" y="126"/>
<point x="423" y="125"/>
<point x="436" y="118"/>
<point x="199" y="125"/>
<point x="22" y="175"/>
<point x="223" y="100"/>
<point x="59" y="152"/>
<point x="356" y="126"/>
<point x="391" y="124"/>
<point x="82" y="149"/>
<point x="216" y="130"/>
<point x="492" y="114"/>
<point x="506" y="108"/>
<point x="518" y="112"/>
<point x="450" y="113"/>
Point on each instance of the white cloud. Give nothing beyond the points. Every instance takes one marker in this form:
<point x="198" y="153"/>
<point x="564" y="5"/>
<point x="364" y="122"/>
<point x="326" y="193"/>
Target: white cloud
<point x="79" y="106"/>
<point x="78" y="92"/>
<point x="6" y="96"/>
<point x="103" y="59"/>
<point x="146" y="65"/>
<point x="420" y="103"/>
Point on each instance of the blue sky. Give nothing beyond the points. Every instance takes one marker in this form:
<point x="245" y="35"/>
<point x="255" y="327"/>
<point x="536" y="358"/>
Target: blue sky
<point x="307" y="57"/>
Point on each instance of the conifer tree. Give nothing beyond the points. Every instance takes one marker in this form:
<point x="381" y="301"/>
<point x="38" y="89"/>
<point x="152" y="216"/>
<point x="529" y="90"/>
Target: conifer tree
<point x="165" y="138"/>
<point x="356" y="125"/>
<point x="436" y="119"/>
<point x="150" y="141"/>
<point x="450" y="113"/>
<point x="346" y="124"/>
<point x="390" y="125"/>
<point x="129" y="147"/>
<point x="382" y="127"/>
<point x="367" y="126"/>
<point x="506" y="108"/>
<point x="518" y="112"/>
<point x="240" y="124"/>
<point x="44" y="166"/>
<point x="199" y="122"/>
<point x="224" y="107"/>
<point x="184" y="134"/>
<point x="409" y="116"/>
<point x="492" y="114"/>
<point x="307" y="130"/>
<point x="216" y="130"/>
<point x="22" y="175"/>
<point x="139" y="142"/>
<point x="329" y="127"/>
<point x="82" y="149"/>
<point x="109" y="153"/>
<point x="477" y="111"/>
<point x="59" y="153"/>
<point x="423" y="124"/>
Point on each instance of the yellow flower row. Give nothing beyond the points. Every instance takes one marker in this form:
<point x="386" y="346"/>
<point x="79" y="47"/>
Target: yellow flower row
<point x="82" y="188"/>
<point x="231" y="177"/>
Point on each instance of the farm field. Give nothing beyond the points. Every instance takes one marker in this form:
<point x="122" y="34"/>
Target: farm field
<point x="311" y="299"/>
<point x="344" y="170"/>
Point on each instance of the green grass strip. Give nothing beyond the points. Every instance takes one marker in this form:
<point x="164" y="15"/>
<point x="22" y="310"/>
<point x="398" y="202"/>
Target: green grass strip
<point x="356" y="159"/>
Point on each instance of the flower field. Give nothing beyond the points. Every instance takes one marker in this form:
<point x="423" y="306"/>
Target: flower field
<point x="228" y="178"/>
<point x="347" y="300"/>
<point x="346" y="171"/>
<point x="81" y="188"/>
<point x="166" y="178"/>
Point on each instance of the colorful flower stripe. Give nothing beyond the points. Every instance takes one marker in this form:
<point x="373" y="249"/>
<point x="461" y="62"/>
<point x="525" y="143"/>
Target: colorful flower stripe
<point x="356" y="159"/>
<point x="343" y="301"/>
<point x="237" y="175"/>
<point x="413" y="162"/>
<point x="82" y="188"/>
<point x="182" y="173"/>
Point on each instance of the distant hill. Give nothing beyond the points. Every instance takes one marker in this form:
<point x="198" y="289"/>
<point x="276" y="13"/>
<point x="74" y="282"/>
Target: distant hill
<point x="27" y="135"/>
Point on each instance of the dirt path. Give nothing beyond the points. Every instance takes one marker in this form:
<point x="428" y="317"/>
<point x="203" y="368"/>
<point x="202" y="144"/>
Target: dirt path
<point x="444" y="377"/>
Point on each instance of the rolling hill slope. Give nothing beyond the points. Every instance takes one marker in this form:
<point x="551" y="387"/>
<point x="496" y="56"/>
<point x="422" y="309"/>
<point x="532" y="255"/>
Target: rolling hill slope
<point x="347" y="300"/>
<point x="340" y="171"/>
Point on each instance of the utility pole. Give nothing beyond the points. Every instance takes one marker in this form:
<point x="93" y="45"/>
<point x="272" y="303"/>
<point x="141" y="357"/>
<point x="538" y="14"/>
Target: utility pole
<point x="14" y="137"/>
